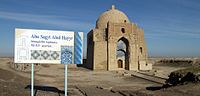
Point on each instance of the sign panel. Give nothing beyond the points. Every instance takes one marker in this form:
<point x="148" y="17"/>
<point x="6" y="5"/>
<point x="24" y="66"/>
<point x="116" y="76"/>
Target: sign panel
<point x="48" y="46"/>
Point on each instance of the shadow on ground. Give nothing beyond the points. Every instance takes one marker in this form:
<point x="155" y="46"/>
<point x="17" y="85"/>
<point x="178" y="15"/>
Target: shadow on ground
<point x="45" y="88"/>
<point x="154" y="88"/>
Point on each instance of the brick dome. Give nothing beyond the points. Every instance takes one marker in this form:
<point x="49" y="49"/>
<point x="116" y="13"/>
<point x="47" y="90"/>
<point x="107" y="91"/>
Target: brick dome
<point x="113" y="15"/>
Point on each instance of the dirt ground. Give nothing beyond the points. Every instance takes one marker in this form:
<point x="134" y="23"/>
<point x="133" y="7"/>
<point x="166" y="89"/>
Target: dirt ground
<point x="49" y="81"/>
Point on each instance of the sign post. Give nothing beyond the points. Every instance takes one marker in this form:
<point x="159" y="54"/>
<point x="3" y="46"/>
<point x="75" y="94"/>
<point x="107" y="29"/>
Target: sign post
<point x="32" y="79"/>
<point x="48" y="46"/>
<point x="65" y="79"/>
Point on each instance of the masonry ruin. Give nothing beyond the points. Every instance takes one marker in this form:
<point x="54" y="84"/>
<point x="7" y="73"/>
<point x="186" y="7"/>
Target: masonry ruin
<point x="116" y="44"/>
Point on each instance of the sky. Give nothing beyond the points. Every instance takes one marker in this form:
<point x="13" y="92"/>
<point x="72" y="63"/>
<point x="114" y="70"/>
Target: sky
<point x="171" y="27"/>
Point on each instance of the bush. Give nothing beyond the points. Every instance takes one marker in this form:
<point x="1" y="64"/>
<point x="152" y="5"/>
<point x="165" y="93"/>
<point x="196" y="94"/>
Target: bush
<point x="176" y="78"/>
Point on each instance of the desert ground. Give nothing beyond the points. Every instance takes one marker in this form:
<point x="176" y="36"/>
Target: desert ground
<point x="49" y="81"/>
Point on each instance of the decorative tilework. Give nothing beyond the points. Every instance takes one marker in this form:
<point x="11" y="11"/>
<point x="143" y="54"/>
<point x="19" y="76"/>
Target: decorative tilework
<point x="66" y="54"/>
<point x="78" y="48"/>
<point x="44" y="55"/>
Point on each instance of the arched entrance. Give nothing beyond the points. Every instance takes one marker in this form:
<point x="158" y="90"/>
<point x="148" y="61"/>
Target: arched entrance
<point x="120" y="63"/>
<point x="123" y="53"/>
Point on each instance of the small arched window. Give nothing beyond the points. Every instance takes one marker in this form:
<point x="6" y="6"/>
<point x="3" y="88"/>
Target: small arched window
<point x="122" y="30"/>
<point x="141" y="50"/>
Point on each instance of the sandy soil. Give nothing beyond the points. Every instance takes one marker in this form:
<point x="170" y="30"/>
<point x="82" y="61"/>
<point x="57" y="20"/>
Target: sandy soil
<point x="83" y="81"/>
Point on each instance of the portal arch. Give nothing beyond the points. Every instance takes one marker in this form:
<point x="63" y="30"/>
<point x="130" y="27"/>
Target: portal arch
<point x="122" y="52"/>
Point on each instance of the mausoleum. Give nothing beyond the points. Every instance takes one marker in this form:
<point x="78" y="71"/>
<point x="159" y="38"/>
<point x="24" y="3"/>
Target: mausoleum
<point x="116" y="44"/>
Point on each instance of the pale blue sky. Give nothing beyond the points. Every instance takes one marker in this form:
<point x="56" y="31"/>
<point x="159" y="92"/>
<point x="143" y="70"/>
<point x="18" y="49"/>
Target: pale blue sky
<point x="172" y="27"/>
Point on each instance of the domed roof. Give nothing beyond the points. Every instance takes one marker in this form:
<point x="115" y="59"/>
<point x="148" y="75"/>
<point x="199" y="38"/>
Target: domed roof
<point x="113" y="15"/>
